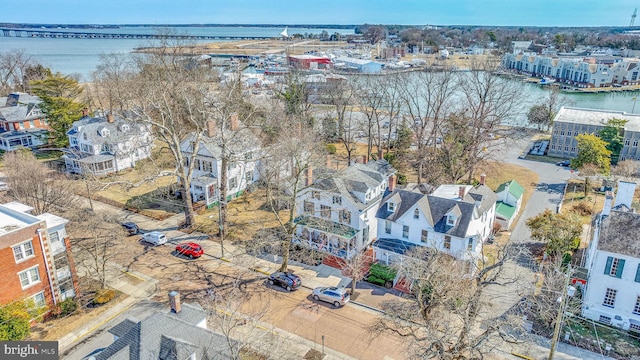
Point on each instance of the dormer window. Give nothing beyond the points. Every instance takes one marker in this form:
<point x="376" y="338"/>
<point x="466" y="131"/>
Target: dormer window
<point x="416" y="214"/>
<point x="124" y="127"/>
<point x="391" y="206"/>
<point x="337" y="199"/>
<point x="451" y="220"/>
<point x="104" y="132"/>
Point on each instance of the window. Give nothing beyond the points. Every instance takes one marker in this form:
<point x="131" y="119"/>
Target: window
<point x="248" y="155"/>
<point x="605" y="319"/>
<point x="405" y="231"/>
<point x="626" y="142"/>
<point x="23" y="251"/>
<point x="233" y="182"/>
<point x="638" y="273"/>
<point x="325" y="211"/>
<point x="315" y="194"/>
<point x="21" y="125"/>
<point x="609" y="297"/>
<point x="345" y="216"/>
<point x="387" y="227"/>
<point x="451" y="220"/>
<point x="636" y="308"/>
<point x="424" y="235"/>
<point x="39" y="300"/>
<point x="309" y="207"/>
<point x="231" y="166"/>
<point x="634" y="328"/>
<point x="447" y="242"/>
<point x="336" y="199"/>
<point x="29" y="277"/>
<point x="54" y="237"/>
<point x="568" y="132"/>
<point x="562" y="132"/>
<point x="416" y="214"/>
<point x="32" y="124"/>
<point x="635" y="143"/>
<point x="470" y="244"/>
<point x="391" y="206"/>
<point x="207" y="166"/>
<point x="248" y="177"/>
<point x="614" y="267"/>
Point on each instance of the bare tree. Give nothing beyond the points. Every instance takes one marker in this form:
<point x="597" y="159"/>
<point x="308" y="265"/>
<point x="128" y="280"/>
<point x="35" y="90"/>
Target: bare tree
<point x="370" y="96"/>
<point x="174" y="96"/>
<point x="287" y="167"/>
<point x="340" y="94"/>
<point x="32" y="183"/>
<point x="627" y="168"/>
<point x="428" y="99"/>
<point x="449" y="303"/>
<point x="14" y="67"/>
<point x="543" y="113"/>
<point x="95" y="238"/>
<point x="356" y="267"/>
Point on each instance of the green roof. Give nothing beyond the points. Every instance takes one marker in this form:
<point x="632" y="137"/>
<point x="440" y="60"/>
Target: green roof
<point x="507" y="211"/>
<point x="513" y="187"/>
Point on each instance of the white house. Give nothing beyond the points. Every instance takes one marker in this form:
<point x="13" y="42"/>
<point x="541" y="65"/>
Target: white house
<point x="242" y="150"/>
<point x="103" y="145"/>
<point x="336" y="213"/>
<point x="22" y="122"/>
<point x="510" y="196"/>
<point x="612" y="293"/>
<point x="454" y="219"/>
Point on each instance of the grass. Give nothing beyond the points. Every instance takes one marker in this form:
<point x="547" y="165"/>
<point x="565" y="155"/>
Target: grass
<point x="586" y="333"/>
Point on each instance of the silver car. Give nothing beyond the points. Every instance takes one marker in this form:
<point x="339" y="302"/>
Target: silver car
<point x="334" y="295"/>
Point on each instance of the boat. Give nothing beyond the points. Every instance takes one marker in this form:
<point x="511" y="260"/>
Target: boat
<point x="546" y="81"/>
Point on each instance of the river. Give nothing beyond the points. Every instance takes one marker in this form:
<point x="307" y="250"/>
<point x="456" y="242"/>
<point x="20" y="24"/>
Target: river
<point x="80" y="57"/>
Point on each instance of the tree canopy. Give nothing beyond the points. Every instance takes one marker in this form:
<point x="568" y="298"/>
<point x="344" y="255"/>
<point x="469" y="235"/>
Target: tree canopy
<point x="59" y="95"/>
<point x="613" y="135"/>
<point x="592" y="150"/>
<point x="560" y="232"/>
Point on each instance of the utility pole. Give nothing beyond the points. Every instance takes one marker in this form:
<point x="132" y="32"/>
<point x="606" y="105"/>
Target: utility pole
<point x="220" y="226"/>
<point x="563" y="305"/>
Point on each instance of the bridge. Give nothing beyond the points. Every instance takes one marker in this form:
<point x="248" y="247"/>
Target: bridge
<point x="29" y="33"/>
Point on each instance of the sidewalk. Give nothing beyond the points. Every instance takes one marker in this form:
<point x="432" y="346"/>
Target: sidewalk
<point x="369" y="296"/>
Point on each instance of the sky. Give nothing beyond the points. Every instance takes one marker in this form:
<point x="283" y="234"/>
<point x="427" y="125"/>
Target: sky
<point x="562" y="13"/>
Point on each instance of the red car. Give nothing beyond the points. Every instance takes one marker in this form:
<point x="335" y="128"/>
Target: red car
<point x="190" y="249"/>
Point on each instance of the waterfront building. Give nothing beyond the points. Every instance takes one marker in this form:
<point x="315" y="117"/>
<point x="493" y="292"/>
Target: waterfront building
<point x="570" y="122"/>
<point x="358" y="65"/>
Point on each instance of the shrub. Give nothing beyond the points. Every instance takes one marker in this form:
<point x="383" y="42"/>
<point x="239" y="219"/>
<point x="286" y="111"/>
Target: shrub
<point x="382" y="272"/>
<point x="496" y="228"/>
<point x="402" y="179"/>
<point x="331" y="149"/>
<point x="103" y="296"/>
<point x="583" y="208"/>
<point x="67" y="306"/>
<point x="376" y="280"/>
<point x="14" y="321"/>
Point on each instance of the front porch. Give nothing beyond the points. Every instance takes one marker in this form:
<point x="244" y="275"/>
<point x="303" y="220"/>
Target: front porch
<point x="327" y="236"/>
<point x="93" y="165"/>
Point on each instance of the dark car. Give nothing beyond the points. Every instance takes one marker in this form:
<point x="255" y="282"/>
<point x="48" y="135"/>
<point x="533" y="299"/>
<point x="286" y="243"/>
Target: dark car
<point x="131" y="228"/>
<point x="286" y="280"/>
<point x="564" y="163"/>
<point x="190" y="249"/>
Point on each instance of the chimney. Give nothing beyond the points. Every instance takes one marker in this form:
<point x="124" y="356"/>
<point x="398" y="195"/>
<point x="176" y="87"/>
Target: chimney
<point x="174" y="302"/>
<point x="211" y="128"/>
<point x="461" y="191"/>
<point x="392" y="183"/>
<point x="308" y="179"/>
<point x="110" y="118"/>
<point x="85" y="111"/>
<point x="234" y="122"/>
<point x="483" y="178"/>
<point x="364" y="159"/>
<point x="380" y="157"/>
<point x="608" y="199"/>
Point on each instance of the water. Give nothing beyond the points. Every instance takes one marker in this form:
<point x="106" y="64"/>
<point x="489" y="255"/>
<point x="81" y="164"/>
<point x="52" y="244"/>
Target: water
<point x="81" y="56"/>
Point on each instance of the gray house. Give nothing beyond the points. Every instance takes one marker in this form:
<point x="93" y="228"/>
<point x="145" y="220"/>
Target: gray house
<point x="181" y="334"/>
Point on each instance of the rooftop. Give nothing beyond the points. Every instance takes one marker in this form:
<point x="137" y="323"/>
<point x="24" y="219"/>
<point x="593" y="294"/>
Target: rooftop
<point x="596" y="117"/>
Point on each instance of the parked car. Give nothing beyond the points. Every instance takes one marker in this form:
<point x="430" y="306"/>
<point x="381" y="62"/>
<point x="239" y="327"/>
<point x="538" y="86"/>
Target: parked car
<point x="564" y="163"/>
<point x="337" y="296"/>
<point x="154" y="238"/>
<point x="286" y="280"/>
<point x="131" y="228"/>
<point x="190" y="249"/>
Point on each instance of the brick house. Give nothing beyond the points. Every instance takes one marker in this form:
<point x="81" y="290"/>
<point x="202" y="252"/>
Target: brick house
<point x="35" y="257"/>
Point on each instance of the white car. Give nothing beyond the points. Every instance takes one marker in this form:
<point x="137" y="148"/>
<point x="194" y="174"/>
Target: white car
<point x="338" y="296"/>
<point x="154" y="238"/>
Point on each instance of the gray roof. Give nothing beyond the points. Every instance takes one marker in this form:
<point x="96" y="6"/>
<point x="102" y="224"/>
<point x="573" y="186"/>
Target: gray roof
<point x="19" y="107"/>
<point x="167" y="336"/>
<point x="596" y="117"/>
<point x="17" y="133"/>
<point x="435" y="208"/>
<point x="619" y="232"/>
<point x="357" y="178"/>
<point x="91" y="126"/>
